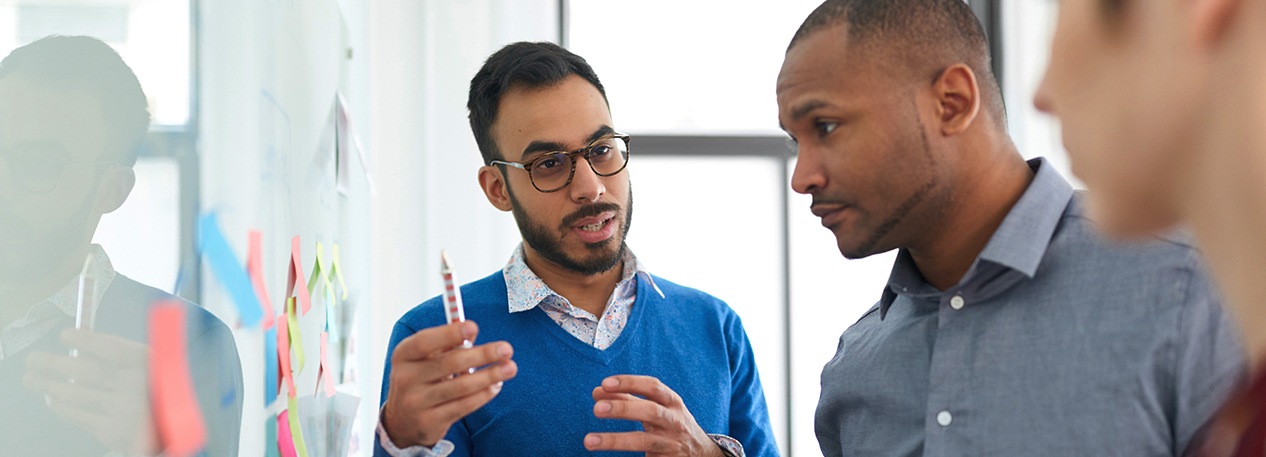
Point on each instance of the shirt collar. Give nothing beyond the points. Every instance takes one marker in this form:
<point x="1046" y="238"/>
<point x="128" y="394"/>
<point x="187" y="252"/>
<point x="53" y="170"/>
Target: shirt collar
<point x="525" y="290"/>
<point x="97" y="278"/>
<point x="1018" y="244"/>
<point x="65" y="301"/>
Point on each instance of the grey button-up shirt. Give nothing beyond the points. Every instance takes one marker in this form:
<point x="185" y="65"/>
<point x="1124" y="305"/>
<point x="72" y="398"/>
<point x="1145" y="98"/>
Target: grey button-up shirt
<point x="1055" y="343"/>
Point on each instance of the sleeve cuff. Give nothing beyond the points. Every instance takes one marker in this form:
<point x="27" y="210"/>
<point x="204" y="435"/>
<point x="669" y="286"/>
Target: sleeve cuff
<point x="441" y="449"/>
<point x="730" y="446"/>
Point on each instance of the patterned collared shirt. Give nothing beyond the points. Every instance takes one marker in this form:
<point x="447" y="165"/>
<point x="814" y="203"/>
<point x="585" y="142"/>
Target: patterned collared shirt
<point x="526" y="291"/>
<point x="45" y="315"/>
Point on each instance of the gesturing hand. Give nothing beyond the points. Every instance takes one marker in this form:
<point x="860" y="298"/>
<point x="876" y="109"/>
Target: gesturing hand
<point x="103" y="391"/>
<point x="425" y="398"/>
<point x="669" y="429"/>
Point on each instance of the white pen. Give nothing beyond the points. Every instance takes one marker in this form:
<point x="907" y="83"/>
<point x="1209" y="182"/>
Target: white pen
<point x="453" y="309"/>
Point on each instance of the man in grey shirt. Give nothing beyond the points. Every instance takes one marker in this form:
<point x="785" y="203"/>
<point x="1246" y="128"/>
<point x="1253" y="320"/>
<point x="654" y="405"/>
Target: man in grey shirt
<point x="1007" y="326"/>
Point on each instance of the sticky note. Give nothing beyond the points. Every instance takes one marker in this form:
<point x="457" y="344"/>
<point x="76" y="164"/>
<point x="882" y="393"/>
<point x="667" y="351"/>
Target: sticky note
<point x="296" y="340"/>
<point x="213" y="245"/>
<point x="294" y="279"/>
<point x="283" y="353"/>
<point x="324" y="375"/>
<point x="255" y="269"/>
<point x="271" y="449"/>
<point x="336" y="269"/>
<point x="285" y="442"/>
<point x="319" y="275"/>
<point x="271" y="384"/>
<point x="295" y="431"/>
<point x="331" y="326"/>
<point x="181" y="430"/>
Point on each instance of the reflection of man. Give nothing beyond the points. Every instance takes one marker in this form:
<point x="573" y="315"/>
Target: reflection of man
<point x="1007" y="326"/>
<point x="606" y="356"/>
<point x="72" y="116"/>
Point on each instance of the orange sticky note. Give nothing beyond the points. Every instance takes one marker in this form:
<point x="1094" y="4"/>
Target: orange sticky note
<point x="324" y="376"/>
<point x="255" y="268"/>
<point x="294" y="279"/>
<point x="181" y="429"/>
<point x="285" y="442"/>
<point x="283" y="353"/>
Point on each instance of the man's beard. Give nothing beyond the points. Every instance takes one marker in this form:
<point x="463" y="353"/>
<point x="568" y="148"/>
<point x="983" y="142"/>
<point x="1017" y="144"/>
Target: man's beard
<point x="29" y="256"/>
<point x="603" y="256"/>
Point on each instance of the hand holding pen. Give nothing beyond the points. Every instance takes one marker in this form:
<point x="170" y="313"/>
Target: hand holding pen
<point x="425" y="397"/>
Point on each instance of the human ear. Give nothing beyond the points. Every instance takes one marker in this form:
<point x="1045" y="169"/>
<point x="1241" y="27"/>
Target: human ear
<point x="957" y="99"/>
<point x="116" y="184"/>
<point x="494" y="185"/>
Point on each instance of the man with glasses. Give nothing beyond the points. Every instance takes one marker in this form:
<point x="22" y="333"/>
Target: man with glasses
<point x="73" y="351"/>
<point x="606" y="357"/>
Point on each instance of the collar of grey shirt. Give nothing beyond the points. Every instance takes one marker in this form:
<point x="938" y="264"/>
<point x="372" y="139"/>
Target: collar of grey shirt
<point x="1017" y="246"/>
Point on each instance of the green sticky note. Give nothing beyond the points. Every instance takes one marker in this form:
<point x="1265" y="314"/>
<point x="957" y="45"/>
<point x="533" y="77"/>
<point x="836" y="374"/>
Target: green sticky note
<point x="296" y="341"/>
<point x="295" y="431"/>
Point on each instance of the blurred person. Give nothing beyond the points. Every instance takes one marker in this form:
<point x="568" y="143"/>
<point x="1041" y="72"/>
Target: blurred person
<point x="592" y="352"/>
<point x="1163" y="106"/>
<point x="1007" y="326"/>
<point x="72" y="118"/>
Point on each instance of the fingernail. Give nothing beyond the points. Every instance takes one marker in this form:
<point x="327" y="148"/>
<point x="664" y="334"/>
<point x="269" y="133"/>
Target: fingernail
<point x="508" y="369"/>
<point x="496" y="388"/>
<point x="611" y="383"/>
<point x="505" y="351"/>
<point x="602" y="407"/>
<point x="468" y="330"/>
<point x="592" y="440"/>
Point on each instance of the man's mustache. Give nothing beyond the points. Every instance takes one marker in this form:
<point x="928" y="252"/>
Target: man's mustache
<point x="588" y="211"/>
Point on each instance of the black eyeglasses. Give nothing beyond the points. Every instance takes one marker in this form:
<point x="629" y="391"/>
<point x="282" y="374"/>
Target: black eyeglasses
<point x="549" y="172"/>
<point x="39" y="173"/>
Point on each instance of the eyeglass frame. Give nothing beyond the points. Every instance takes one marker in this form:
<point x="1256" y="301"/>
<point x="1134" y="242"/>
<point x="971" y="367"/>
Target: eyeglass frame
<point x="60" y="173"/>
<point x="573" y="155"/>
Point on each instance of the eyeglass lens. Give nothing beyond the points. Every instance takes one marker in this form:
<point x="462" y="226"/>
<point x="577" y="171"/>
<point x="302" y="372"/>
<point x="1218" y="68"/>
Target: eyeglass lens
<point x="33" y="171"/>
<point x="607" y="156"/>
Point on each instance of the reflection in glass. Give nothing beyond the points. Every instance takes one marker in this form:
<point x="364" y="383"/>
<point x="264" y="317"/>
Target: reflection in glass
<point x="74" y="348"/>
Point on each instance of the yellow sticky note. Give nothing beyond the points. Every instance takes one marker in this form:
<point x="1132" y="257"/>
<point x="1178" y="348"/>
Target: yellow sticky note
<point x="295" y="431"/>
<point x="320" y="271"/>
<point x="337" y="269"/>
<point x="296" y="341"/>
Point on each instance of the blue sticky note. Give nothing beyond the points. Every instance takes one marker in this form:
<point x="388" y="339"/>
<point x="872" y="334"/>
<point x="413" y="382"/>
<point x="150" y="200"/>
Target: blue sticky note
<point x="270" y="370"/>
<point x="229" y="270"/>
<point x="270" y="441"/>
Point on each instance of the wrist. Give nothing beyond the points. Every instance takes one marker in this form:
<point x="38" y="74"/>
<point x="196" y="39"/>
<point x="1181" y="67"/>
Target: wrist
<point x="397" y="436"/>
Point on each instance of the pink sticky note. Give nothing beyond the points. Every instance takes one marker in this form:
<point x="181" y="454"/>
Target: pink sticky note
<point x="181" y="429"/>
<point x="326" y="378"/>
<point x="285" y="442"/>
<point x="294" y="282"/>
<point x="255" y="268"/>
<point x="283" y="354"/>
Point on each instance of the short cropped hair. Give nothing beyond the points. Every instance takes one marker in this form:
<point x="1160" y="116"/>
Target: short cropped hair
<point x="522" y="64"/>
<point x="80" y="63"/>
<point x="923" y="36"/>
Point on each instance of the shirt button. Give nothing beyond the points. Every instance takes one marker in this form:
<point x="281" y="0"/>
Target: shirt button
<point x="944" y="418"/>
<point x="956" y="302"/>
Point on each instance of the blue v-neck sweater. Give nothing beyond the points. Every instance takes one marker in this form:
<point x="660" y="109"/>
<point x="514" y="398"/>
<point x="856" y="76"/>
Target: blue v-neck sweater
<point x="693" y="342"/>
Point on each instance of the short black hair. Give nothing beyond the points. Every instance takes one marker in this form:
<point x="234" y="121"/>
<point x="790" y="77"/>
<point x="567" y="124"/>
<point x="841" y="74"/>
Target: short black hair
<point x="87" y="64"/>
<point x="522" y="64"/>
<point x="925" y="36"/>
